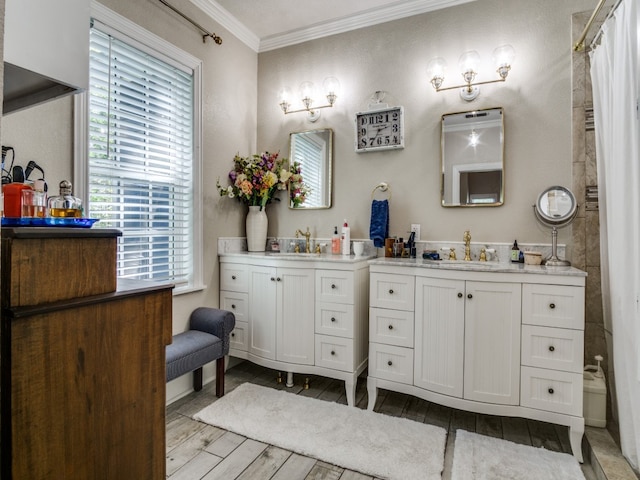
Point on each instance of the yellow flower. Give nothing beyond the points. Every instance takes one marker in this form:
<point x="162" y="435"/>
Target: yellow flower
<point x="269" y="179"/>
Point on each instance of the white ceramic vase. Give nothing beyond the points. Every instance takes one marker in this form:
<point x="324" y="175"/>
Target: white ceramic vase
<point x="257" y="223"/>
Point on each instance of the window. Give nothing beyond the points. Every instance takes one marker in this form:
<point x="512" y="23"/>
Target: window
<point x="141" y="165"/>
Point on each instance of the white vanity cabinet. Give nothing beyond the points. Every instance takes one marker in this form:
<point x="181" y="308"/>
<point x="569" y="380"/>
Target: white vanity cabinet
<point x="499" y="340"/>
<point x="306" y="315"/>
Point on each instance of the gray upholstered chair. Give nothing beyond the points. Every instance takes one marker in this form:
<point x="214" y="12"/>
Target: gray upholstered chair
<point x="206" y="340"/>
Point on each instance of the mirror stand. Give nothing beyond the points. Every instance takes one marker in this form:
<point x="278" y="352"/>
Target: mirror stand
<point x="554" y="261"/>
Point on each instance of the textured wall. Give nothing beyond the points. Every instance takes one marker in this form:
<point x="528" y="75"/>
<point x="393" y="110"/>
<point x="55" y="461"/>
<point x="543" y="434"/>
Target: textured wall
<point x="393" y="57"/>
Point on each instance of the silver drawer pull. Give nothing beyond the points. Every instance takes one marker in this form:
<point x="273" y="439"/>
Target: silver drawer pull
<point x="551" y="348"/>
<point x="390" y="327"/>
<point x="552" y="305"/>
<point x="550" y="391"/>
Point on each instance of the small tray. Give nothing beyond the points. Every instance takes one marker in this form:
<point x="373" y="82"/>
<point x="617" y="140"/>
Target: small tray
<point x="49" y="222"/>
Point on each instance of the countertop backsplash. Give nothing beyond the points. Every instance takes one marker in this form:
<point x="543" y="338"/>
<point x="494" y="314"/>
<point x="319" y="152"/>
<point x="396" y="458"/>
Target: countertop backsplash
<point x="502" y="250"/>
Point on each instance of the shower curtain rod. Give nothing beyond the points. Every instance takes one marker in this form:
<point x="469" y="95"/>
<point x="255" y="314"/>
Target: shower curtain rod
<point x="579" y="45"/>
<point x="597" y="36"/>
<point x="206" y="33"/>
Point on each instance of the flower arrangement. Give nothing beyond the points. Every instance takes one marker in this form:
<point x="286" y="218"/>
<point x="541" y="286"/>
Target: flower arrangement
<point x="298" y="190"/>
<point x="255" y="180"/>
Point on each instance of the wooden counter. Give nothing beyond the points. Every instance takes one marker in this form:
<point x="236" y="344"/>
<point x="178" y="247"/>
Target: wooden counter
<point x="83" y="376"/>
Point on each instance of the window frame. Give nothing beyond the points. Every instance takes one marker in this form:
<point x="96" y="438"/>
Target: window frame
<point x="124" y="29"/>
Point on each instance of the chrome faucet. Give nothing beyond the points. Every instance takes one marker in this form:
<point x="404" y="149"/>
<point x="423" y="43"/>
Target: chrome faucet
<point x="467" y="245"/>
<point x="307" y="236"/>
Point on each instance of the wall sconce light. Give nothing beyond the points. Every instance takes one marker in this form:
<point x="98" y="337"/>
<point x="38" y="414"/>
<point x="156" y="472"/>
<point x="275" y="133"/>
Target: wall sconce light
<point x="331" y="87"/>
<point x="469" y="61"/>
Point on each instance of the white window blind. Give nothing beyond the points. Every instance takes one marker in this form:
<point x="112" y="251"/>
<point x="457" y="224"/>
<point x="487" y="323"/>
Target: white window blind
<point x="140" y="172"/>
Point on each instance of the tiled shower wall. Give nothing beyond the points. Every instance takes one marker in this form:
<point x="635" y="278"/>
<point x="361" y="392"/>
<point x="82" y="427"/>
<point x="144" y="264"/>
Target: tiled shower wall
<point x="586" y="227"/>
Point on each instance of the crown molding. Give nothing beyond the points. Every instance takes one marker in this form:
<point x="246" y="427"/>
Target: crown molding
<point x="228" y="21"/>
<point x="366" y="18"/>
<point x="353" y="22"/>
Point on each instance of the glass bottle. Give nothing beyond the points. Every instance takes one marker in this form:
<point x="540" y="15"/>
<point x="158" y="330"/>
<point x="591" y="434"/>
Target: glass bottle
<point x="65" y="204"/>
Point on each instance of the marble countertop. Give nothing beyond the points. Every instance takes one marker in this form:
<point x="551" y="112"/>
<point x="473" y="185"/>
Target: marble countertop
<point x="476" y="266"/>
<point x="301" y="257"/>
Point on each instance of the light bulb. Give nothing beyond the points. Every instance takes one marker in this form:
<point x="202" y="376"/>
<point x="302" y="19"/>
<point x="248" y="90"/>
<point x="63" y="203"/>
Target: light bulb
<point x="284" y="98"/>
<point x="469" y="63"/>
<point x="331" y="89"/>
<point x="503" y="58"/>
<point x="331" y="86"/>
<point x="306" y="94"/>
<point x="435" y="71"/>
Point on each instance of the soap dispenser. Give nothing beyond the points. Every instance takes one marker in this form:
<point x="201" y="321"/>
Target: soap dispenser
<point x="335" y="241"/>
<point x="515" y="252"/>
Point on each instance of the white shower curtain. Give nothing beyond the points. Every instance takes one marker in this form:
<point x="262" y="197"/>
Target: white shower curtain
<point x="615" y="78"/>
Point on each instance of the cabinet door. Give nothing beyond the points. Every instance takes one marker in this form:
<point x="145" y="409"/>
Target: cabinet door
<point x="262" y="311"/>
<point x="295" y="320"/>
<point x="439" y="335"/>
<point x="492" y="342"/>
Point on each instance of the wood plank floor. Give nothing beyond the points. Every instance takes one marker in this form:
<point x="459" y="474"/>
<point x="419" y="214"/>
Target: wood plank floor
<point x="197" y="451"/>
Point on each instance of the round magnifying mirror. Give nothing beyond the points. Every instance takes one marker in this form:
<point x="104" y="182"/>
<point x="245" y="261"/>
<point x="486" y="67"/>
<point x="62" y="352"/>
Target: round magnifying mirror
<point x="556" y="207"/>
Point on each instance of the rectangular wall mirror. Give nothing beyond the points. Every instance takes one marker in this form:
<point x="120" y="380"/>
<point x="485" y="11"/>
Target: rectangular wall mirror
<point x="313" y="149"/>
<point x="473" y="158"/>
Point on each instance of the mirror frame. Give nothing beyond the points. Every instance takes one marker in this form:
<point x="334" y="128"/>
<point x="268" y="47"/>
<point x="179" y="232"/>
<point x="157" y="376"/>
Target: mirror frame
<point x="329" y="168"/>
<point x="443" y="164"/>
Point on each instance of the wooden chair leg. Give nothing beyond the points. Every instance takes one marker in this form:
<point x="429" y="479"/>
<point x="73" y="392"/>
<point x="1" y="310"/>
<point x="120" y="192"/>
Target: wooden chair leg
<point x="220" y="377"/>
<point x="197" y="379"/>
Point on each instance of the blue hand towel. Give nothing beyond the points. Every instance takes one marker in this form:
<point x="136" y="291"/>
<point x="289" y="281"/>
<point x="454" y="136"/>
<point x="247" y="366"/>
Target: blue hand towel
<point x="379" y="229"/>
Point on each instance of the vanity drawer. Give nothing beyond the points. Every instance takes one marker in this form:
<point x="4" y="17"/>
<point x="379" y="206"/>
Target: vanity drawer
<point x="389" y="362"/>
<point x="235" y="302"/>
<point x="391" y="327"/>
<point x="334" y="286"/>
<point x="555" y="348"/>
<point x="234" y="277"/>
<point x="238" y="340"/>
<point x="551" y="390"/>
<point x="334" y="319"/>
<point x="553" y="306"/>
<point x="392" y="291"/>
<point x="334" y="352"/>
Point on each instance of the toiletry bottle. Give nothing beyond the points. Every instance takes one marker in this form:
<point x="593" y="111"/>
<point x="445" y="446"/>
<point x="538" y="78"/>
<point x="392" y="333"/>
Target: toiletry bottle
<point x="521" y="257"/>
<point x="65" y="204"/>
<point x="346" y="238"/>
<point x="335" y="241"/>
<point x="13" y="198"/>
<point x="515" y="252"/>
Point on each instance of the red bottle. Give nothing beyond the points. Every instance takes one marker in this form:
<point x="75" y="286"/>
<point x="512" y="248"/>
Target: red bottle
<point x="13" y="198"/>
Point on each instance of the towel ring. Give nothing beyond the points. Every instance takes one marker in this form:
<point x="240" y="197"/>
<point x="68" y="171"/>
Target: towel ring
<point x="383" y="187"/>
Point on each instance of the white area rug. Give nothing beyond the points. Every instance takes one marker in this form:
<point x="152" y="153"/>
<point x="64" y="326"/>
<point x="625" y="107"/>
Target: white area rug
<point x="478" y="457"/>
<point x="368" y="442"/>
